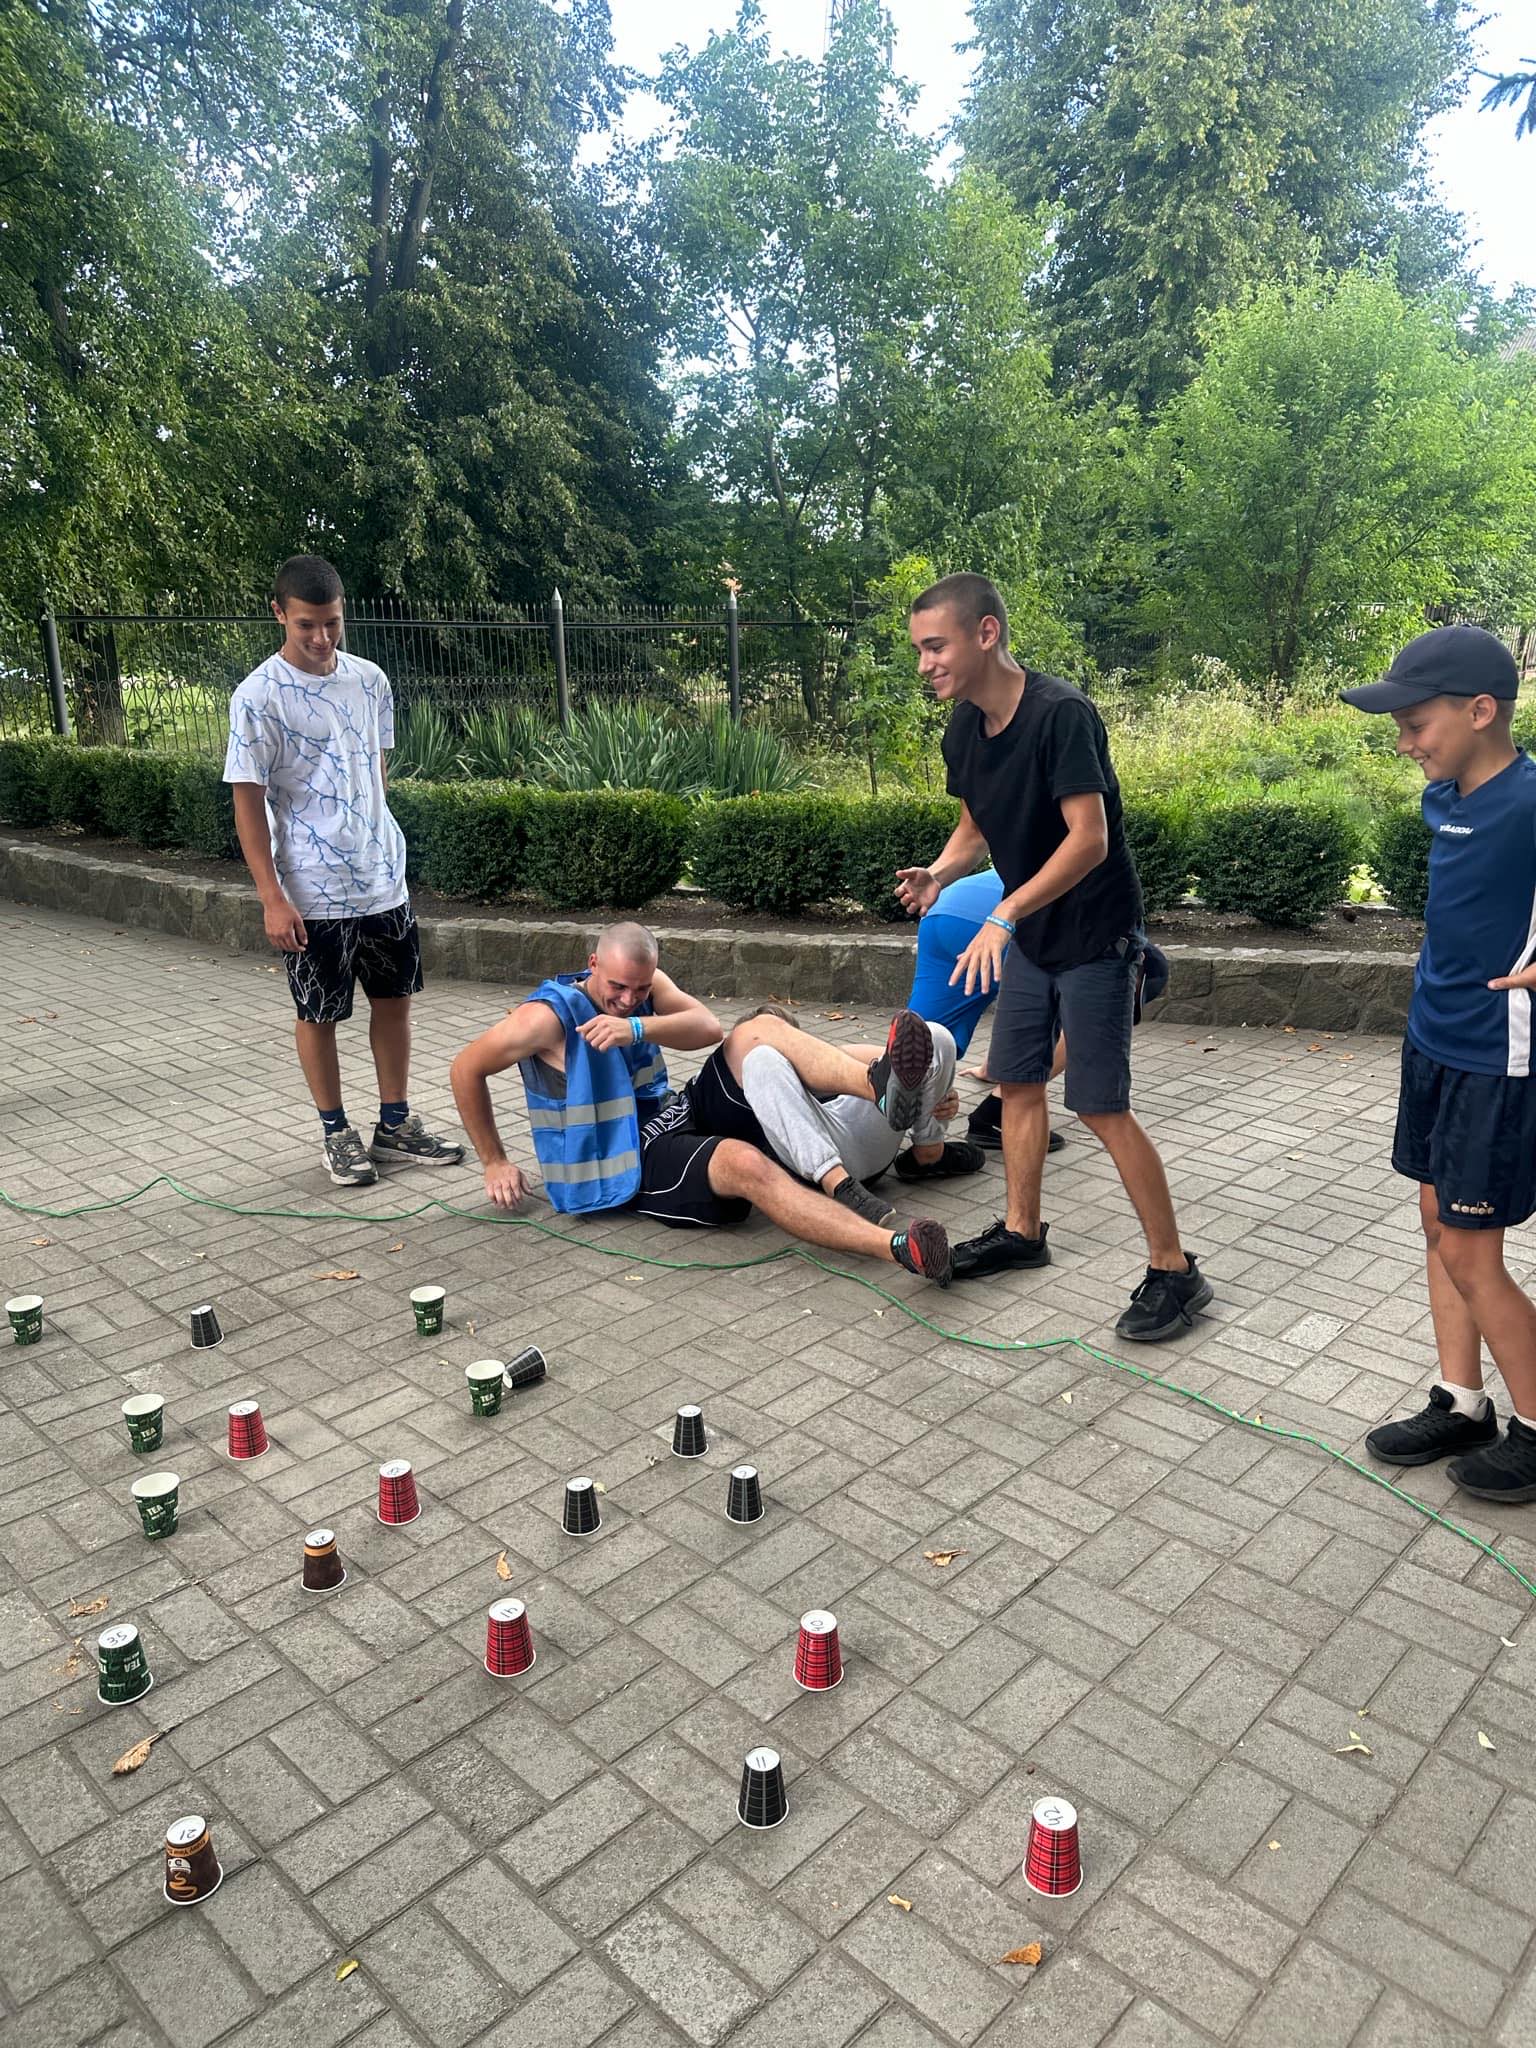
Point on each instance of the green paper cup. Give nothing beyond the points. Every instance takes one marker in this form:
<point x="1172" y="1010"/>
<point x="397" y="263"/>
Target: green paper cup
<point x="145" y="1417"/>
<point x="157" y="1498"/>
<point x="124" y="1673"/>
<point x="428" y="1302"/>
<point x="26" y="1314"/>
<point x="485" y="1385"/>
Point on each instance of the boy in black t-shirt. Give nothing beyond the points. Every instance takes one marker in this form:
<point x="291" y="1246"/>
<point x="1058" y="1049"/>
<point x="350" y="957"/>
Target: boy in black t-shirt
<point x="1028" y="757"/>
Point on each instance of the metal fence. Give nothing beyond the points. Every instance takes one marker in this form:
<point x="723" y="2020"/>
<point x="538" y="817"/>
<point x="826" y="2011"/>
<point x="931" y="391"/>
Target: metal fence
<point x="158" y="681"/>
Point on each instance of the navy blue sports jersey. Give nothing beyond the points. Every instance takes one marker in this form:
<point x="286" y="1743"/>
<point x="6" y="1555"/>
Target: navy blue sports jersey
<point x="1480" y="922"/>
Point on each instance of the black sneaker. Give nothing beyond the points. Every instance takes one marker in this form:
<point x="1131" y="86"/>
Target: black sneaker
<point x="897" y="1076"/>
<point x="957" y="1158"/>
<point x="987" y="1132"/>
<point x="1164" y="1304"/>
<point x="1505" y="1471"/>
<point x="1000" y="1249"/>
<point x="1435" y="1432"/>
<point x="853" y="1194"/>
<point x="411" y="1140"/>
<point x="923" y="1248"/>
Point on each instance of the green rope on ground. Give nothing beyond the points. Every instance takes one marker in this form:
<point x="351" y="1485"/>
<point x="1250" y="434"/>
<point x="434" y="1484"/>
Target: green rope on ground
<point x="791" y="1251"/>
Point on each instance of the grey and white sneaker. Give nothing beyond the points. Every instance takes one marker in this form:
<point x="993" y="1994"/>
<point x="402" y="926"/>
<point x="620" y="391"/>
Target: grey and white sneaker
<point x="863" y="1201"/>
<point x="347" y="1157"/>
<point x="413" y="1144"/>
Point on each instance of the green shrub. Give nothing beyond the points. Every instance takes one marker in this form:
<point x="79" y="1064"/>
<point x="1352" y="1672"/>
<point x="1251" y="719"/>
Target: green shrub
<point x="477" y="838"/>
<point x="1282" y="859"/>
<point x="601" y="846"/>
<point x="1523" y="728"/>
<point x="771" y="852"/>
<point x="71" y="777"/>
<point x="1401" y="860"/>
<point x="414" y="808"/>
<point x="727" y="759"/>
<point x="503" y="744"/>
<point x="23" y="795"/>
<point x="203" y="811"/>
<point x="138" y="794"/>
<point x="619" y="746"/>
<point x="427" y="745"/>
<point x="888" y="833"/>
<point x="1158" y="830"/>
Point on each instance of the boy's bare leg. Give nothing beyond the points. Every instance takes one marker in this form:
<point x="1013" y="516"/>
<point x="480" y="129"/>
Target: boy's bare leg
<point x="1505" y="1314"/>
<point x="736" y="1168"/>
<point x="1458" y="1340"/>
<point x="1026" y="1134"/>
<point x="317" y="1056"/>
<point x="1144" y="1180"/>
<point x="389" y="1037"/>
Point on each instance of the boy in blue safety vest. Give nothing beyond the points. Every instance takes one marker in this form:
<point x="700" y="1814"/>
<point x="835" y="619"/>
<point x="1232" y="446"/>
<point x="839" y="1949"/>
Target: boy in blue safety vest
<point x="609" y="1133"/>
<point x="1466" y="1114"/>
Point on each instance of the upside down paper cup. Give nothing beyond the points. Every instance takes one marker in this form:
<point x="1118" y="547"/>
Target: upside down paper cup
<point x="123" y="1673"/>
<point x="25" y="1315"/>
<point x="526" y="1370"/>
<point x="762" y="1801"/>
<point x="323" y="1568"/>
<point x="206" y="1332"/>
<point x="398" y="1500"/>
<point x="247" y="1431"/>
<point x="688" y="1438"/>
<point x="581" y="1515"/>
<point x="192" y="1871"/>
<point x="1052" y="1860"/>
<point x="509" y="1647"/>
<point x="744" y="1495"/>
<point x="818" y="1653"/>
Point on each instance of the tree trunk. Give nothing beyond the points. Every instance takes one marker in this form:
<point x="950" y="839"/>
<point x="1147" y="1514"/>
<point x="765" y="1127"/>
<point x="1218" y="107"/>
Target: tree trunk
<point x="434" y="123"/>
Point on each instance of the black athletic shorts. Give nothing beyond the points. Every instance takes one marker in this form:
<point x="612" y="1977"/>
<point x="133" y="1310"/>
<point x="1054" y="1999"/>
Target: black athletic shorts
<point x="674" y="1171"/>
<point x="1472" y="1137"/>
<point x="383" y="952"/>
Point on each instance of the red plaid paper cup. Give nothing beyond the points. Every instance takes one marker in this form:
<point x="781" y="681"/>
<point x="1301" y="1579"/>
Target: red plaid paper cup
<point x="397" y="1492"/>
<point x="818" y="1654"/>
<point x="247" y="1431"/>
<point x="509" y="1647"/>
<point x="1052" y="1861"/>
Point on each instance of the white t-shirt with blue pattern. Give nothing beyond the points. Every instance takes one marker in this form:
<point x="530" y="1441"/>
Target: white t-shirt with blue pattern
<point x="315" y="743"/>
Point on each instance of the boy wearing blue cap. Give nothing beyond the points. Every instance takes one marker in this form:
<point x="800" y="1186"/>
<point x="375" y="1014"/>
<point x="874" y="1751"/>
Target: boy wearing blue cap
<point x="1466" y="1118"/>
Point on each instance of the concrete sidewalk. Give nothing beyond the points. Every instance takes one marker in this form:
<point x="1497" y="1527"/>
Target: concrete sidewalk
<point x="1175" y="1622"/>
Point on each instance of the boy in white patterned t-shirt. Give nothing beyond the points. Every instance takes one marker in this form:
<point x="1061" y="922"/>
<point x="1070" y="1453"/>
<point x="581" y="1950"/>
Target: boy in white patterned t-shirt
<point x="308" y="731"/>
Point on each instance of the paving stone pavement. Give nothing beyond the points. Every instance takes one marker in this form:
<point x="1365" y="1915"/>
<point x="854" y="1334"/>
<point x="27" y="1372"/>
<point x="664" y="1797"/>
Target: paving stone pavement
<point x="1176" y="1622"/>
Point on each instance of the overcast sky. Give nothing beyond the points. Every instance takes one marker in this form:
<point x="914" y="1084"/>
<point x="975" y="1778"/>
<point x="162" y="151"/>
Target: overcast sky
<point x="1484" y="173"/>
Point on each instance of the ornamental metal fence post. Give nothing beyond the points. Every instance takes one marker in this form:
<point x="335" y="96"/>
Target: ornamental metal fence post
<point x="733" y="652"/>
<point x="59" y="702"/>
<point x="557" y="636"/>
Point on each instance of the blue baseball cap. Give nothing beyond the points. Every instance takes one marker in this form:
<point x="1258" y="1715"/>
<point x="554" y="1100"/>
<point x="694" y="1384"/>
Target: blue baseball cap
<point x="1447" y="661"/>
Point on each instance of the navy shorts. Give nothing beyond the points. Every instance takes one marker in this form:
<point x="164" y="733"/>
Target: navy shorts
<point x="1472" y="1137"/>
<point x="1093" y="1004"/>
<point x="383" y="952"/>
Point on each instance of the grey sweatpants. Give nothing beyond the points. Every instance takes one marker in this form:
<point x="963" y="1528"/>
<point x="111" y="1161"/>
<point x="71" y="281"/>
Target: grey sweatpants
<point x="811" y="1137"/>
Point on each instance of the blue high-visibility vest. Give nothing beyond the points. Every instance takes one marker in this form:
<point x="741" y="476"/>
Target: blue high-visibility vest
<point x="588" y="1140"/>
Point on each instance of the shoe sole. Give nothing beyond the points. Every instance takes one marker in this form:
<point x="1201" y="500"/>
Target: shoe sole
<point x="377" y="1151"/>
<point x="937" y="1171"/>
<point x="1516" y="1496"/>
<point x="909" y="1049"/>
<point x="1411" y="1458"/>
<point x="1181" y="1321"/>
<point x="930" y="1242"/>
<point x="352" y="1180"/>
<point x="992" y="1141"/>
<point x="982" y="1271"/>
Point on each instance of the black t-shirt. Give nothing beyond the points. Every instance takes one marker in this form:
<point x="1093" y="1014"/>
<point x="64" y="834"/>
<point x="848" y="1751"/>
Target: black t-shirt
<point x="1053" y="746"/>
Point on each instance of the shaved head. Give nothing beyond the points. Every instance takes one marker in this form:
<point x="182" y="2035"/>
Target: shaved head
<point x="628" y="941"/>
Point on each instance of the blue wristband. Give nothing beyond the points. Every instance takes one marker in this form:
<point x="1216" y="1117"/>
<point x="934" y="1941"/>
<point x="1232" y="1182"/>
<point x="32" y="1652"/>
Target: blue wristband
<point x="637" y="1029"/>
<point x="1002" y="924"/>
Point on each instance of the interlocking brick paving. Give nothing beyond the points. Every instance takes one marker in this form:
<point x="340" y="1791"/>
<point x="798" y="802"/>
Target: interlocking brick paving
<point x="1173" y="1621"/>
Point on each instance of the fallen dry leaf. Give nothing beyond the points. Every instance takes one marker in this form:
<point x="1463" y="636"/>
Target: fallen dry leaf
<point x="1068" y="1399"/>
<point x="943" y="1557"/>
<point x="598" y="1486"/>
<point x="1029" y="1955"/>
<point x="1482" y="1740"/>
<point x="135" y="1759"/>
<point x="340" y="1273"/>
<point x="895" y="1899"/>
<point x="834" y="1016"/>
<point x="503" y="1569"/>
<point x="471" y="1328"/>
<point x="1354" y="1747"/>
<point x="344" y="1970"/>
<point x="26" y="1020"/>
<point x="80" y="1608"/>
<point x="395" y="1247"/>
<point x="1274" y="1845"/>
<point x="41" y="1241"/>
<point x="1289" y="1030"/>
<point x="1506" y="1642"/>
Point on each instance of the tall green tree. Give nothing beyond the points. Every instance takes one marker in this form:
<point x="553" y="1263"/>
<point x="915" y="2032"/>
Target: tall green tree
<point x="1190" y="148"/>
<point x="857" y="367"/>
<point x="1338" y="463"/>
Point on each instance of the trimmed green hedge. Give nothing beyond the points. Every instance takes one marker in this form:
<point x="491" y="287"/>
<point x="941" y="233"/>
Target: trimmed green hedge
<point x="889" y="833"/>
<point x="1159" y="832"/>
<point x="591" y="846"/>
<point x="1284" y="860"/>
<point x="775" y="853"/>
<point x="1401" y="859"/>
<point x="23" y="791"/>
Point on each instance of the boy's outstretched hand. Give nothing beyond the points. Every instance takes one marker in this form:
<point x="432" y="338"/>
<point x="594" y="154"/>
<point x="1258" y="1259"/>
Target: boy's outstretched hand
<point x="916" y="890"/>
<point x="1526" y="978"/>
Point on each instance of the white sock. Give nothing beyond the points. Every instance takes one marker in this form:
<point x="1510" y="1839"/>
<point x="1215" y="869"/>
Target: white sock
<point x="1469" y="1401"/>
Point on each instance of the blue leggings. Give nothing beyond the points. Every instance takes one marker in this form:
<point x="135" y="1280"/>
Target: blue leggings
<point x="940" y="942"/>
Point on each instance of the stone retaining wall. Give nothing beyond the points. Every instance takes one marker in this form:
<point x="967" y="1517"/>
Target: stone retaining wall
<point x="1317" y="991"/>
